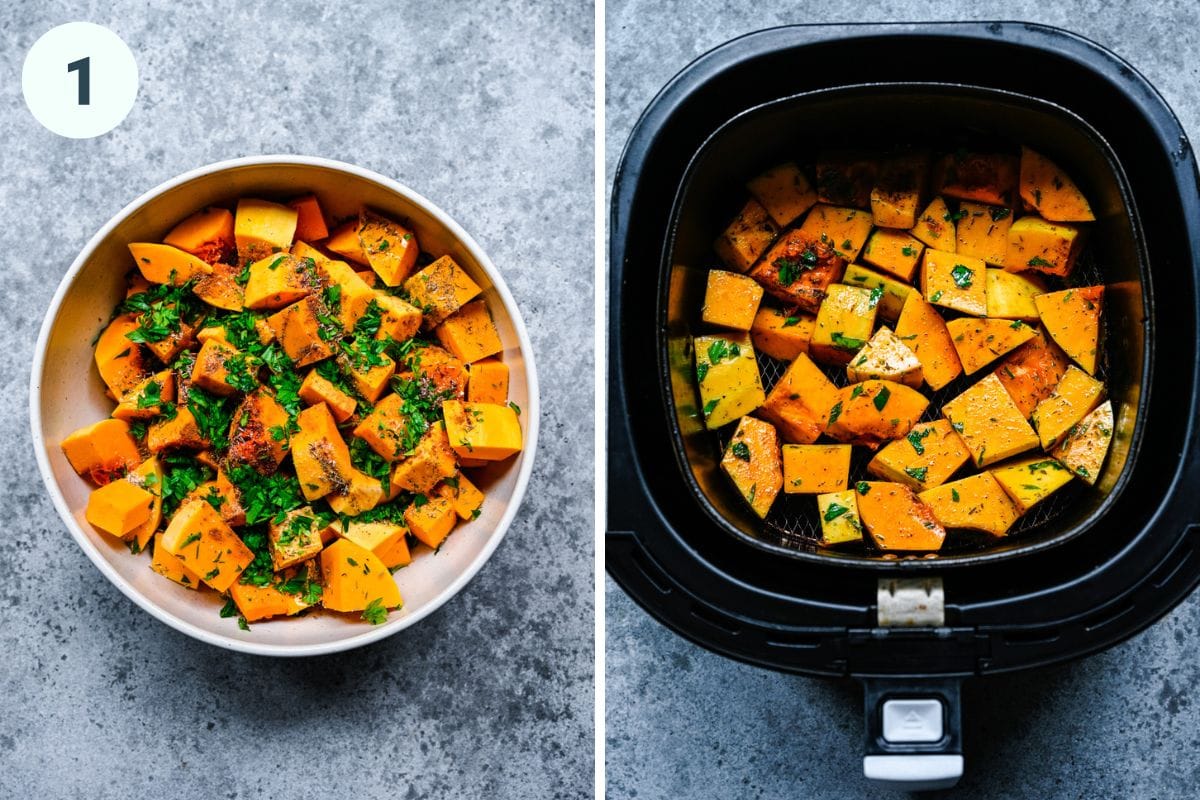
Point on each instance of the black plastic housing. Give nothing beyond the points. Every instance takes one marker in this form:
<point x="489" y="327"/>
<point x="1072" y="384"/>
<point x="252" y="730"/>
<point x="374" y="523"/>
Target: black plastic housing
<point x="813" y="615"/>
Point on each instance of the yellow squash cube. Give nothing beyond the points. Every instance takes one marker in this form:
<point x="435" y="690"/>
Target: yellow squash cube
<point x="975" y="503"/>
<point x="982" y="231"/>
<point x="727" y="370"/>
<point x="815" y="468"/>
<point x="839" y="517"/>
<point x="731" y="300"/>
<point x="954" y="281"/>
<point x="844" y="323"/>
<point x="441" y="289"/>
<point x="894" y="252"/>
<point x="199" y="538"/>
<point x="1049" y="247"/>
<point x="262" y="228"/>
<point x="980" y="341"/>
<point x="361" y="494"/>
<point x="781" y="335"/>
<point x="747" y="237"/>
<point x="1086" y="445"/>
<point x="989" y="422"/>
<point x="470" y="334"/>
<point x="171" y="567"/>
<point x="894" y="292"/>
<point x="936" y="227"/>
<point x="1031" y="480"/>
<point x="1073" y="399"/>
<point x="387" y="540"/>
<point x="926" y="457"/>
<point x="1010" y="294"/>
<point x="784" y="191"/>
<point x="487" y="431"/>
<point x="752" y="462"/>
<point x="843" y="229"/>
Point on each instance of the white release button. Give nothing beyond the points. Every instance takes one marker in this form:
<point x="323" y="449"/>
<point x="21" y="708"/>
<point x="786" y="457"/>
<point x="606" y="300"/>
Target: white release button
<point x="912" y="720"/>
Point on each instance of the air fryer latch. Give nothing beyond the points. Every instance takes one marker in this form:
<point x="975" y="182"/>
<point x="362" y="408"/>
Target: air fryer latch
<point x="911" y="603"/>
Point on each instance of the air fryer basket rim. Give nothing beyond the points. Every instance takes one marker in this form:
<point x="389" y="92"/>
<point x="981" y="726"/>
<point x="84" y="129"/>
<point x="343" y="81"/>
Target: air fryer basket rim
<point x="954" y="560"/>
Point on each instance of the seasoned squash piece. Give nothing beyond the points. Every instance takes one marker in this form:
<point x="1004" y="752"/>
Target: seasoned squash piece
<point x="747" y="237"/>
<point x="199" y="538"/>
<point x="466" y="498"/>
<point x="431" y="522"/>
<point x="256" y="603"/>
<point x="102" y="451"/>
<point x="310" y="220"/>
<point x="118" y="507"/>
<point x="893" y="251"/>
<point x="470" y="334"/>
<point x="387" y="540"/>
<point x="922" y="328"/>
<point x="1049" y="247"/>
<point x="316" y="389"/>
<point x="146" y="400"/>
<point x="1050" y="191"/>
<point x="1031" y="372"/>
<point x="926" y="457"/>
<point x="279" y="280"/>
<point x="437" y="371"/>
<point x="872" y="412"/>
<point x="844" y="323"/>
<point x="781" y="335"/>
<point x="487" y="381"/>
<point x="148" y="476"/>
<point x="979" y="342"/>
<point x="1086" y="445"/>
<point x="122" y="364"/>
<point x="169" y="348"/>
<point x="976" y="503"/>
<point x="488" y="431"/>
<point x="839" y="517"/>
<point x="894" y="292"/>
<point x="319" y="454"/>
<point x="982" y="232"/>
<point x="211" y="370"/>
<point x="171" y="567"/>
<point x="1010" y="294"/>
<point x="936" y="227"/>
<point x="730" y="300"/>
<point x="954" y="281"/>
<point x="370" y="381"/>
<point x="800" y="402"/>
<point x="388" y="430"/>
<point x="752" y="462"/>
<point x="220" y="288"/>
<point x="207" y="234"/>
<point x="179" y="432"/>
<point x="297" y="537"/>
<point x="262" y="229"/>
<point x="258" y="433"/>
<point x="432" y="459"/>
<point x="784" y="191"/>
<point x="344" y="241"/>
<point x="355" y="578"/>
<point x="305" y="331"/>
<point x="401" y="321"/>
<point x="441" y="289"/>
<point x="897" y="193"/>
<point x="1072" y="400"/>
<point x="162" y="263"/>
<point x="361" y="494"/>
<point x="989" y="422"/>
<point x="1029" y="481"/>
<point x="1072" y="318"/>
<point x="846" y="177"/>
<point x="887" y="358"/>
<point x="984" y="177"/>
<point x="727" y="371"/>
<point x="355" y="295"/>
<point x="843" y="229"/>
<point x="897" y="519"/>
<point x="798" y="269"/>
<point x="815" y="468"/>
<point x="222" y="495"/>
<point x="391" y="248"/>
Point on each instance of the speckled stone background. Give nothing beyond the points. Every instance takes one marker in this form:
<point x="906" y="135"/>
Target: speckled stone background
<point x="488" y="112"/>
<point x="682" y="722"/>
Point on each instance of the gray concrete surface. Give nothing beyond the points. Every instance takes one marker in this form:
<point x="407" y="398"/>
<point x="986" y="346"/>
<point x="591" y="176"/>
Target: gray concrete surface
<point x="682" y="722"/>
<point x="490" y="115"/>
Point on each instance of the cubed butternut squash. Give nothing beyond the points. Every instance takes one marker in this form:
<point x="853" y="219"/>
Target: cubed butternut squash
<point x="299" y="536"/>
<point x="199" y="538"/>
<point x="481" y="430"/>
<point x="220" y="288"/>
<point x="747" y="237"/>
<point x="387" y="540"/>
<point x="258" y="432"/>
<point x="122" y="364"/>
<point x="1050" y="191"/>
<point x="391" y="249"/>
<point x="362" y="493"/>
<point x="798" y="269"/>
<point x="896" y="196"/>
<point x="388" y="430"/>
<point x="897" y="519"/>
<point x="162" y="263"/>
<point x="344" y="241"/>
<point x="935" y="227"/>
<point x="438" y="371"/>
<point x="989" y="422"/>
<point x="118" y="507"/>
<point x="894" y="252"/>
<point x="874" y="411"/>
<point x="222" y="495"/>
<point x="926" y="457"/>
<point x="781" y="335"/>
<point x="1072" y="400"/>
<point x="1049" y="247"/>
<point x="149" y="476"/>
<point x="1086" y="445"/>
<point x="316" y="389"/>
<point x="310" y="219"/>
<point x="370" y="381"/>
<point x="470" y="328"/>
<point x="256" y="603"/>
<point x="800" y="402"/>
<point x="982" y="232"/>
<point x="844" y="323"/>
<point x="840" y="522"/>
<point x="171" y="567"/>
<point x="784" y="191"/>
<point x="355" y="295"/>
<point x="262" y="228"/>
<point x="1031" y="372"/>
<point x="305" y="331"/>
<point x="975" y="503"/>
<point x="470" y="334"/>
<point x="1072" y="318"/>
<point x="815" y="468"/>
<point x="730" y="386"/>
<point x="102" y="451"/>
<point x="894" y="292"/>
<point x="730" y="300"/>
<point x="1010" y="294"/>
<point x="319" y="454"/>
<point x="208" y="234"/>
<point x="954" y="281"/>
<point x="984" y="177"/>
<point x="355" y="578"/>
<point x="980" y="341"/>
<point x="487" y="381"/>
<point x="1029" y="481"/>
<point x="179" y="432"/>
<point x="432" y="521"/>
<point x="466" y="497"/>
<point x="846" y="177"/>
<point x="279" y="280"/>
<point x="212" y="367"/>
<point x="441" y="289"/>
<point x="752" y="462"/>
<point x="885" y="357"/>
<point x="843" y="229"/>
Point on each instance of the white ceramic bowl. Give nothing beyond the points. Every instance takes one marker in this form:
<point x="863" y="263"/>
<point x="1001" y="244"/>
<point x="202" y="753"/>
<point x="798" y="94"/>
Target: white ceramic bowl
<point x="66" y="393"/>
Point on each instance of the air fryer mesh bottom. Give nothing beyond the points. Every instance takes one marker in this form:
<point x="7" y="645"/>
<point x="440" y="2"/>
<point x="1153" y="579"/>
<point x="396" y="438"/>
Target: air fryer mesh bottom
<point x="793" y="521"/>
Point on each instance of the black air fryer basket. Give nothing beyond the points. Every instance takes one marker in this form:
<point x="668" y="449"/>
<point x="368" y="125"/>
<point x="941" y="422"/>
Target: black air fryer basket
<point x="1077" y="578"/>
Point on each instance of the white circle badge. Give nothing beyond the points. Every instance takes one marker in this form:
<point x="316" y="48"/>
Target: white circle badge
<point x="80" y="80"/>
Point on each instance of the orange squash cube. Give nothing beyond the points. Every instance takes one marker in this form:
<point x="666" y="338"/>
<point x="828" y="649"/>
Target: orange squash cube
<point x="989" y="422"/>
<point x="431" y="521"/>
<point x="467" y="499"/>
<point x="297" y="537"/>
<point x="984" y="177"/>
<point x="487" y="381"/>
<point x="441" y="289"/>
<point x="207" y="234"/>
<point x="482" y="430"/>
<point x="315" y="389"/>
<point x="922" y="328"/>
<point x="470" y="334"/>
<point x="431" y="462"/>
<point x="1072" y="318"/>
<point x="262" y="229"/>
<point x="177" y="433"/>
<point x="894" y="252"/>
<point x="387" y="540"/>
<point x="258" y="435"/>
<point x="982" y="232"/>
<point x="122" y="364"/>
<point x="361" y="494"/>
<point x="935" y="226"/>
<point x="118" y="507"/>
<point x="199" y="538"/>
<point x="747" y="237"/>
<point x="730" y="300"/>
<point x="815" y="468"/>
<point x="162" y="263"/>
<point x="387" y="429"/>
<point x="399" y="319"/>
<point x="279" y="280"/>
<point x="898" y="190"/>
<point x="102" y="451"/>
<point x="781" y="335"/>
<point x="344" y="241"/>
<point x="1049" y="247"/>
<point x="310" y="220"/>
<point x="369" y="381"/>
<point x="319" y="454"/>
<point x="171" y="567"/>
<point x="355" y="577"/>
<point x="800" y="402"/>
<point x="300" y="333"/>
<point x="1050" y="191"/>
<point x="390" y="248"/>
<point x="843" y="229"/>
<point x="784" y="191"/>
<point x="211" y="368"/>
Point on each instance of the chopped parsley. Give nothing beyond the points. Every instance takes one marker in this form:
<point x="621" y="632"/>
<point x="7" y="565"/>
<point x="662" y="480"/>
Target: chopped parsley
<point x="962" y="275"/>
<point x="917" y="473"/>
<point x="880" y="400"/>
<point x="375" y="613"/>
<point x="834" y="511"/>
<point x="1038" y="261"/>
<point x="740" y="450"/>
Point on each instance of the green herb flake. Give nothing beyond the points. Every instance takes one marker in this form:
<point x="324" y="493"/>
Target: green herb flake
<point x="880" y="400"/>
<point x="835" y="510"/>
<point x="740" y="450"/>
<point x="375" y="613"/>
<point x="917" y="473"/>
<point x="962" y="275"/>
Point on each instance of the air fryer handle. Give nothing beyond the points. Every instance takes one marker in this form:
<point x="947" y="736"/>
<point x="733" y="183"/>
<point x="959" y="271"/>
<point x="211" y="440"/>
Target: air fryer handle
<point x="913" y="733"/>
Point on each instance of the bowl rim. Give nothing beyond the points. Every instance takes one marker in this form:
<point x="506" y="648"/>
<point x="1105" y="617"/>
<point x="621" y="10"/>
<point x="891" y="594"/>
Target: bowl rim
<point x="373" y="633"/>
